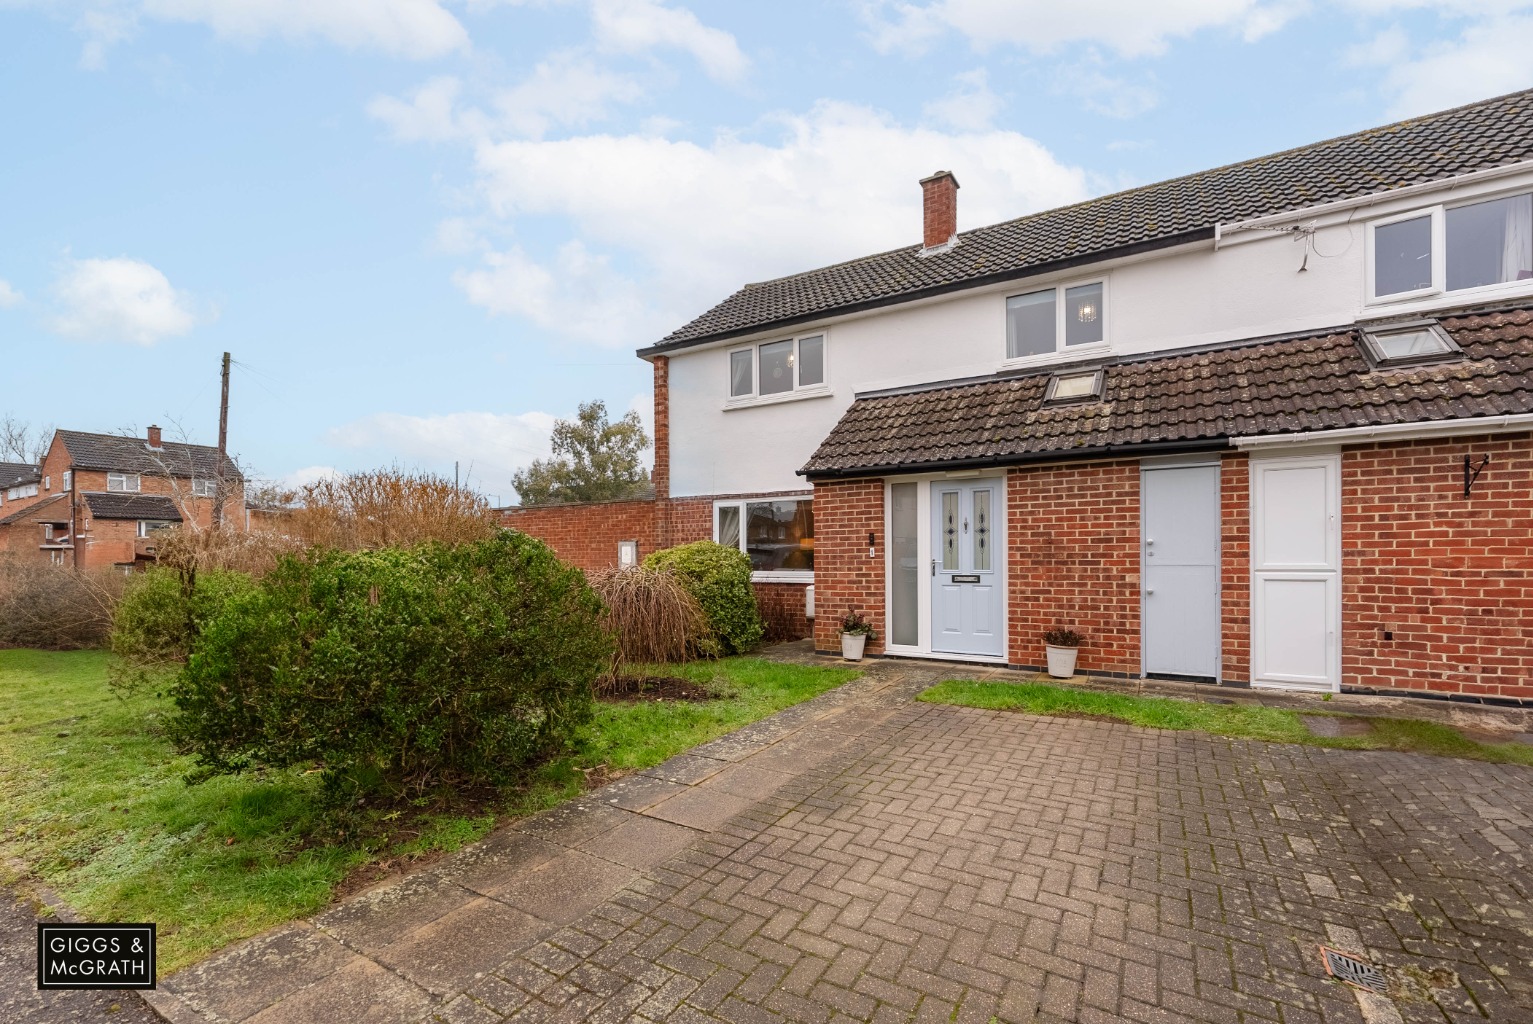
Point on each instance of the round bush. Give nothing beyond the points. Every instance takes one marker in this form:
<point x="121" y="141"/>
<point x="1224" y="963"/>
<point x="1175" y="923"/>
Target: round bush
<point x="720" y="578"/>
<point x="397" y="668"/>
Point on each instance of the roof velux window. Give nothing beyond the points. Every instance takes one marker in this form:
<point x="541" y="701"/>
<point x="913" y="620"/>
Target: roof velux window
<point x="1409" y="344"/>
<point x="1075" y="387"/>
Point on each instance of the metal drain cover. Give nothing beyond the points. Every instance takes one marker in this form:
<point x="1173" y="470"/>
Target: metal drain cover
<point x="1348" y="968"/>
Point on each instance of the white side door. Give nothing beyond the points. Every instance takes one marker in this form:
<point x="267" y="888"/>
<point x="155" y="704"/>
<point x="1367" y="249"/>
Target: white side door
<point x="1296" y="572"/>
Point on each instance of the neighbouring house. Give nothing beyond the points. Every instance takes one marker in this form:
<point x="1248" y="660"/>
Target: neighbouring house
<point x="1269" y="424"/>
<point x="99" y="499"/>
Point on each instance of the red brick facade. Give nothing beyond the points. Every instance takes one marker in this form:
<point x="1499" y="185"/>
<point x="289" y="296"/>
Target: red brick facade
<point x="1073" y="537"/>
<point x="1235" y="567"/>
<point x="1449" y="578"/>
<point x="845" y="577"/>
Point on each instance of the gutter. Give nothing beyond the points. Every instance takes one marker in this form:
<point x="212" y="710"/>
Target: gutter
<point x="1065" y="455"/>
<point x="1509" y="424"/>
<point x="1014" y="274"/>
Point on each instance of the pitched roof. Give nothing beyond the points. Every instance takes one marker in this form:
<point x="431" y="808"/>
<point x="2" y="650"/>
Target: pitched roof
<point x="116" y="454"/>
<point x="14" y="473"/>
<point x="1482" y="135"/>
<point x="1320" y="382"/>
<point x="132" y="506"/>
<point x="30" y="510"/>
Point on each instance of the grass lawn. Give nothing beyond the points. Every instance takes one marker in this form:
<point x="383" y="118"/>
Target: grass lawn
<point x="1241" y="720"/>
<point x="93" y="801"/>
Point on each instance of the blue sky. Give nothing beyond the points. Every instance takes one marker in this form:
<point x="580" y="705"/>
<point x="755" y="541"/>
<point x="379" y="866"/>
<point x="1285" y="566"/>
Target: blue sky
<point x="426" y="228"/>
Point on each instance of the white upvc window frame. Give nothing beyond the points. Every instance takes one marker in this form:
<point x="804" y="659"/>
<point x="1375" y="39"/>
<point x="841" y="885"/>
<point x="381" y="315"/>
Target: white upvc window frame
<point x="1438" y="212"/>
<point x="797" y="392"/>
<point x="205" y="487"/>
<point x="124" y="478"/>
<point x="762" y="575"/>
<point x="1062" y="353"/>
<point x="144" y="527"/>
<point x="68" y="479"/>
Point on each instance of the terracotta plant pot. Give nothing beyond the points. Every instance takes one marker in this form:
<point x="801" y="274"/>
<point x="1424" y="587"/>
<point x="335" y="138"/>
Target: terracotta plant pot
<point x="1061" y="661"/>
<point x="852" y="645"/>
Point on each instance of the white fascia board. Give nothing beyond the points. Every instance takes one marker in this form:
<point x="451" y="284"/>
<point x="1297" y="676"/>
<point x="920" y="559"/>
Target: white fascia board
<point x="1224" y="233"/>
<point x="1390" y="432"/>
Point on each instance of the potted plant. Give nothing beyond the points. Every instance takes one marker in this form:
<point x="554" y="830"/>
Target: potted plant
<point x="856" y="631"/>
<point x="1062" y="646"/>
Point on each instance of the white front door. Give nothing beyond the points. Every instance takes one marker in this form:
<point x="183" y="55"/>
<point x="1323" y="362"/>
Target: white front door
<point x="1179" y="559"/>
<point x="1296" y="572"/>
<point x="966" y="598"/>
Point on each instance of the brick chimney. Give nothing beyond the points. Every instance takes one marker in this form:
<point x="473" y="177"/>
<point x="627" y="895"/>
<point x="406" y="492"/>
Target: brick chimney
<point x="154" y="438"/>
<point x="939" y="209"/>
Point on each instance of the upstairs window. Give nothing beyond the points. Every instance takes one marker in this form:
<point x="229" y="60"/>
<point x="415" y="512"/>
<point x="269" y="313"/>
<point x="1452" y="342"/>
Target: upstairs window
<point x="203" y="488"/>
<point x="1451" y="249"/>
<point x="777" y="534"/>
<point x="23" y="491"/>
<point x="1054" y="320"/>
<point x="126" y="482"/>
<point x="777" y="367"/>
<point x="69" y="479"/>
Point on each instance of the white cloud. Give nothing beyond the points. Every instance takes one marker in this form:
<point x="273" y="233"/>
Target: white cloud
<point x="1385" y="48"/>
<point x="9" y="296"/>
<point x="1108" y="95"/>
<point x="565" y="90"/>
<point x="301" y="478"/>
<point x="1490" y="57"/>
<point x="415" y="29"/>
<point x="120" y="299"/>
<point x="491" y="445"/>
<point x="635" y="26"/>
<point x="1131" y="28"/>
<point x="970" y="107"/>
<point x="700" y="219"/>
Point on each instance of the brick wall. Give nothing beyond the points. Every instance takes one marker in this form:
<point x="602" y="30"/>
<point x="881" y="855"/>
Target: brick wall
<point x="1073" y="535"/>
<point x="1235" y="567"/>
<point x="1451" y="578"/>
<point x="660" y="475"/>
<point x="845" y="512"/>
<point x="587" y="536"/>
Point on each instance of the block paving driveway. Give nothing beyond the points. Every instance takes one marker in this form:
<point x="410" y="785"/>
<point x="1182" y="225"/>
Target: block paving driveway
<point x="868" y="858"/>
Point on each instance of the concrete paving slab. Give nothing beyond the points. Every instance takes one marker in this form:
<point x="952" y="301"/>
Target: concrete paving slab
<point x="638" y="792"/>
<point x="247" y="978"/>
<point x="686" y="769"/>
<point x="445" y="956"/>
<point x="498" y="858"/>
<point x="573" y="823"/>
<point x="362" y="992"/>
<point x="375" y="918"/>
<point x="701" y="808"/>
<point x="746" y="780"/>
<point x="641" y="843"/>
<point x="564" y="888"/>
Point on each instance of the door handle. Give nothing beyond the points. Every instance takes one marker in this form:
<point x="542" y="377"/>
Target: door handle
<point x="1150" y="591"/>
<point x="934" y="567"/>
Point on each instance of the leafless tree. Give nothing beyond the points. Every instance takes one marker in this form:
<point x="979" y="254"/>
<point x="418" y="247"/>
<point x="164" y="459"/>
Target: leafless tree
<point x="20" y="442"/>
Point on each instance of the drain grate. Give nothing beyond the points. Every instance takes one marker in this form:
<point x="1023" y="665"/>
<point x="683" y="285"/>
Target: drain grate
<point x="1348" y="968"/>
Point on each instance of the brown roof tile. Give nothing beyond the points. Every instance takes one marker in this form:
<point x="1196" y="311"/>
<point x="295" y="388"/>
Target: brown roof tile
<point x="1198" y="398"/>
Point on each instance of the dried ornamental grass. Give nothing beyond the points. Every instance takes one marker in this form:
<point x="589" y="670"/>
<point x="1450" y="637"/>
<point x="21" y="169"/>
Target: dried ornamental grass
<point x="651" y="614"/>
<point x="55" y="608"/>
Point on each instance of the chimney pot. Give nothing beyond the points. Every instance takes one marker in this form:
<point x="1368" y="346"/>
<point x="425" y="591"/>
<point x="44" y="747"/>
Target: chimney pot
<point x="939" y="209"/>
<point x="154" y="437"/>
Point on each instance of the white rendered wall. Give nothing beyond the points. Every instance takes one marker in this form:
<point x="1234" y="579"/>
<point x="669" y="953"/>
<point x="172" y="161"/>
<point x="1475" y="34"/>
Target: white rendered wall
<point x="1251" y="286"/>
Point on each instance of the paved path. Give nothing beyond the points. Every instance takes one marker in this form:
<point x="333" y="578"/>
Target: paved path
<point x="866" y="858"/>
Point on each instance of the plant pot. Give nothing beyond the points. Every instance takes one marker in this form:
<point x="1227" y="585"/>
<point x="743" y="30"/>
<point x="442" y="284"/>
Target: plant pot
<point x="1061" y="661"/>
<point x="852" y="645"/>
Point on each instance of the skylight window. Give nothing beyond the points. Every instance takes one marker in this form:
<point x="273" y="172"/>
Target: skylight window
<point x="1409" y="344"/>
<point x="1075" y="387"/>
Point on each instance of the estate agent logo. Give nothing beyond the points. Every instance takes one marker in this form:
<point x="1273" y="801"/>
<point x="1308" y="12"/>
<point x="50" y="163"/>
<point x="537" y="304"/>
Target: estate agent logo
<point x="95" y="955"/>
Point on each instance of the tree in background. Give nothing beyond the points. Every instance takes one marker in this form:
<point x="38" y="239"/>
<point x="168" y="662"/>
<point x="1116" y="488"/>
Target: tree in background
<point x="21" y="443"/>
<point x="592" y="460"/>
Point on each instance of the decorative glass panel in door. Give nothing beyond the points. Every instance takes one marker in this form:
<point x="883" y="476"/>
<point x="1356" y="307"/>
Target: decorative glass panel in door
<point x="981" y="531"/>
<point x="950" y="530"/>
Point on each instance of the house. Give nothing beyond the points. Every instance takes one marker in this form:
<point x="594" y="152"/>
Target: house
<point x="1269" y="425"/>
<point x="99" y="499"/>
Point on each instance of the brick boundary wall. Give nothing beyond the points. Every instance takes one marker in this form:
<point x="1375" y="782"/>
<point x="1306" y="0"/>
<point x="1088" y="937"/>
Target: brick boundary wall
<point x="1450" y="578"/>
<point x="1073" y="561"/>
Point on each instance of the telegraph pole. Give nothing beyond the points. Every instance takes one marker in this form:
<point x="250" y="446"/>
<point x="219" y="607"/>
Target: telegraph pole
<point x="223" y="448"/>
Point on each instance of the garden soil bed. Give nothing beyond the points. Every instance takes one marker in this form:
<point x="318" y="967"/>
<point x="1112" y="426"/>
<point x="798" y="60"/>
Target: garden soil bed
<point x="630" y="689"/>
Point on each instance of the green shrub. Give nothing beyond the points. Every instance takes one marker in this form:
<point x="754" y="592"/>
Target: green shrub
<point x="720" y="578"/>
<point x="160" y="613"/>
<point x="396" y="669"/>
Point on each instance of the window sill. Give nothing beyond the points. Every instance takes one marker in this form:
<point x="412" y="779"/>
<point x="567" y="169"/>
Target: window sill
<point x="802" y="394"/>
<point x="1425" y="302"/>
<point x="782" y="576"/>
<point x="1077" y="354"/>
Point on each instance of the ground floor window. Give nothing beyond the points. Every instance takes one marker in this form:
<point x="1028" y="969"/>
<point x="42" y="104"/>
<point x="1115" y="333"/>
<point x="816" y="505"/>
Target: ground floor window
<point x="777" y="533"/>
